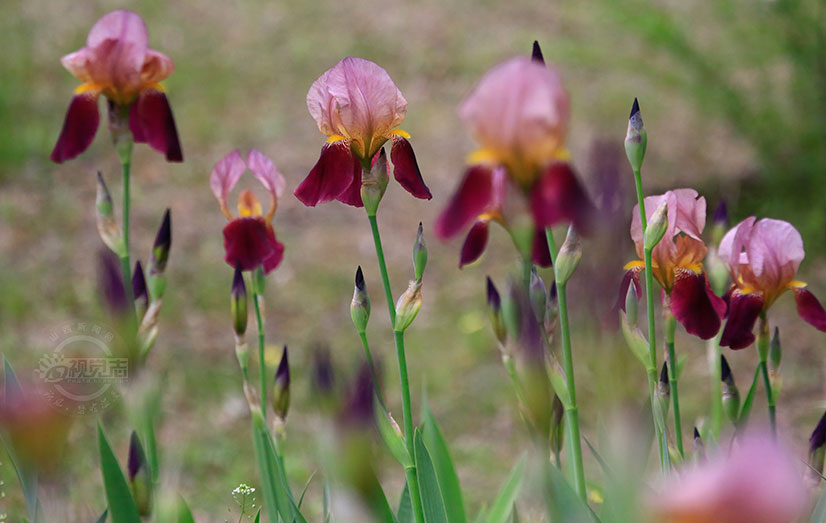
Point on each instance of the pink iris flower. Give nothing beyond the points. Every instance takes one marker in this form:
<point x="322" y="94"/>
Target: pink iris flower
<point x="249" y="239"/>
<point x="518" y="114"/>
<point x="358" y="108"/>
<point x="677" y="262"/>
<point x="118" y="63"/>
<point x="763" y="257"/>
<point x="757" y="483"/>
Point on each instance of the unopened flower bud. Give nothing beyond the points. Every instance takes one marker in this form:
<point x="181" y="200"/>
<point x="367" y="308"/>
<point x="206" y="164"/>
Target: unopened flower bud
<point x="569" y="255"/>
<point x="632" y="303"/>
<point x="699" y="448"/>
<point x="408" y="305"/>
<point x="139" y="291"/>
<point x="497" y="321"/>
<point x="323" y="376"/>
<point x="536" y="55"/>
<point x="731" y="396"/>
<point x="238" y="303"/>
<point x="108" y="227"/>
<point x="281" y="388"/>
<point x="636" y="138"/>
<point x="553" y="302"/>
<point x="775" y="351"/>
<point x="419" y="254"/>
<point x="817" y="446"/>
<point x="557" y="426"/>
<point x="374" y="184"/>
<point x="360" y="304"/>
<point x="111" y="284"/>
<point x="140" y="481"/>
<point x="719" y="222"/>
<point x="536" y="293"/>
<point x="656" y="227"/>
<point x="663" y="391"/>
<point x="160" y="256"/>
<point x="358" y="407"/>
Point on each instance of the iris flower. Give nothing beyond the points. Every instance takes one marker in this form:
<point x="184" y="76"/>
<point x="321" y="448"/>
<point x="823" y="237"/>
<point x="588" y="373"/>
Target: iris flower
<point x="249" y="239"/>
<point x="118" y="63"/>
<point x="518" y="114"/>
<point x="677" y="262"/>
<point x="358" y="108"/>
<point x="763" y="257"/>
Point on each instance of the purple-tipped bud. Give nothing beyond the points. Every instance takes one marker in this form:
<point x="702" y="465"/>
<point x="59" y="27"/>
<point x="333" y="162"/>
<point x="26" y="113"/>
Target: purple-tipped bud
<point x="323" y="375"/>
<point x="537" y="53"/>
<point x="111" y="284"/>
<point x="281" y="388"/>
<point x="663" y="391"/>
<point x="139" y="477"/>
<point x="497" y="322"/>
<point x="731" y="396"/>
<point x="419" y="254"/>
<point x="721" y="214"/>
<point x="139" y="291"/>
<point x="238" y="303"/>
<point x="163" y="242"/>
<point x="537" y="293"/>
<point x="817" y="446"/>
<point x="358" y="410"/>
<point x="360" y="304"/>
<point x="636" y="138"/>
<point x="699" y="448"/>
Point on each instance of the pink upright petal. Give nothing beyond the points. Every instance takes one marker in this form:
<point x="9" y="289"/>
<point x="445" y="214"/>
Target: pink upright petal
<point x="248" y="243"/>
<point x="119" y="42"/>
<point x="774" y="250"/>
<point x="686" y="215"/>
<point x="519" y="108"/>
<point x="333" y="174"/>
<point x="810" y="309"/>
<point x="151" y="121"/>
<point x="225" y="175"/>
<point x="266" y="172"/>
<point x="406" y="169"/>
<point x="469" y="201"/>
<point x="558" y="197"/>
<point x="743" y="310"/>
<point x="694" y="304"/>
<point x="475" y="243"/>
<point x="733" y="244"/>
<point x="77" y="63"/>
<point x="156" y="67"/>
<point x="79" y="127"/>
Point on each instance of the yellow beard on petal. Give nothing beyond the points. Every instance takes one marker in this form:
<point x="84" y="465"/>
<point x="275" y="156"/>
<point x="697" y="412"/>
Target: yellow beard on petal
<point x="248" y="204"/>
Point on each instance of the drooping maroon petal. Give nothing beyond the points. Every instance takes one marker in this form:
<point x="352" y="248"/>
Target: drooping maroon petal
<point x="151" y="121"/>
<point x="809" y="308"/>
<point x="558" y="197"/>
<point x="743" y="310"/>
<point x="352" y="195"/>
<point x="475" y="243"/>
<point x="79" y="127"/>
<point x="248" y="243"/>
<point x="540" y="251"/>
<point x="469" y="201"/>
<point x="694" y="305"/>
<point x="632" y="275"/>
<point x="274" y="259"/>
<point x="332" y="174"/>
<point x="406" y="169"/>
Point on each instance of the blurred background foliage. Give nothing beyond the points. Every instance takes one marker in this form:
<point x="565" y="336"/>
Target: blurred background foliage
<point x="734" y="98"/>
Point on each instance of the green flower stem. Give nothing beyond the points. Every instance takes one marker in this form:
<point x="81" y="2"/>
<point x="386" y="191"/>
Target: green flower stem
<point x="376" y="387"/>
<point x="571" y="410"/>
<point x="652" y="329"/>
<point x="410" y="472"/>
<point x="763" y="340"/>
<point x="670" y="327"/>
<point x="716" y="386"/>
<point x="262" y="362"/>
<point x="125" y="154"/>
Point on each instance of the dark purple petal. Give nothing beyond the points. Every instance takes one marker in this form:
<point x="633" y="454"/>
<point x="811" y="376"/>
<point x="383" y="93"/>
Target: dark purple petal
<point x="694" y="305"/>
<point x="151" y="121"/>
<point x="137" y="458"/>
<point x="79" y="127"/>
<point x="540" y="251"/>
<point x="558" y="197"/>
<point x="333" y="174"/>
<point x="406" y="169"/>
<point x="743" y="310"/>
<point x="810" y="309"/>
<point x="352" y="195"/>
<point x="469" y="201"/>
<point x="274" y="259"/>
<point x="475" y="243"/>
<point x="247" y="243"/>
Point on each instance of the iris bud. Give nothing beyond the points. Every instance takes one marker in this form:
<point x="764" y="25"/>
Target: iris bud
<point x="663" y="391"/>
<point x="636" y="138"/>
<point x="731" y="396"/>
<point x="108" y="227"/>
<point x="360" y="304"/>
<point x="160" y="256"/>
<point x="537" y="295"/>
<point x="419" y="254"/>
<point x="281" y="388"/>
<point x="140" y="481"/>
<point x="408" y="305"/>
<point x="817" y="447"/>
<point x="238" y="303"/>
<point x="656" y="227"/>
<point x="632" y="304"/>
<point x="569" y="255"/>
<point x="139" y="291"/>
<point x="497" y="320"/>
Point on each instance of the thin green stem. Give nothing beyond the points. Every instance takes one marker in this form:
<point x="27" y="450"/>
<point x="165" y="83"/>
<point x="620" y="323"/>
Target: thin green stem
<point x="670" y="327"/>
<point x="716" y="386"/>
<point x="125" y="264"/>
<point x="571" y="411"/>
<point x="649" y="298"/>
<point x="261" y="348"/>
<point x="373" y="373"/>
<point x="374" y="226"/>
<point x="763" y="341"/>
<point x="412" y="482"/>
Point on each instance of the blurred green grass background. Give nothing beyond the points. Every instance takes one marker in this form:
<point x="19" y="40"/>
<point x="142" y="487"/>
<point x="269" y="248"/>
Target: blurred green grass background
<point x="734" y="99"/>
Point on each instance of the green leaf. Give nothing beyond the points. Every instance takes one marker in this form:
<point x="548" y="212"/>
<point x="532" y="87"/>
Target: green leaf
<point x="445" y="471"/>
<point x="184" y="514"/>
<point x="819" y="513"/>
<point x="25" y="474"/>
<point x="102" y="518"/>
<point x="377" y="501"/>
<point x="393" y="440"/>
<point x="306" y="486"/>
<point x="433" y="504"/>
<point x="404" y="514"/>
<point x="745" y="411"/>
<point x="503" y="504"/>
<point x="258" y="516"/>
<point x="563" y="502"/>
<point x="278" y="499"/>
<point x="602" y="463"/>
<point x="121" y="505"/>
